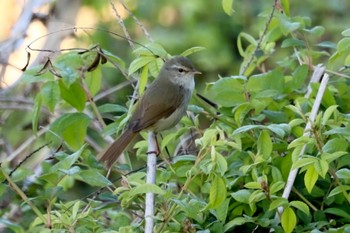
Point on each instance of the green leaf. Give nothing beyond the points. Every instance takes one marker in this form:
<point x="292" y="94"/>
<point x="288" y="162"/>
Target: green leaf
<point x="68" y="66"/>
<point x="221" y="212"/>
<point x="147" y="188"/>
<point x="143" y="80"/>
<point x="221" y="163"/>
<point x="234" y="222"/>
<point x="50" y="93"/>
<point x="299" y="76"/>
<point x="345" y="131"/>
<point x="253" y="185"/>
<point x="68" y="161"/>
<point x="303" y="162"/>
<point x="34" y="75"/>
<point x="74" y="95"/>
<point x="153" y="49"/>
<point x="317" y="30"/>
<point x="71" y="171"/>
<point x="227" y="6"/>
<point x="301" y="206"/>
<point x="343" y="45"/>
<point x="279" y="129"/>
<point x="208" y="138"/>
<point x="36" y="113"/>
<point x="343" y="173"/>
<point x="217" y="193"/>
<point x="328" y="113"/>
<point x="272" y="80"/>
<point x="277" y="186"/>
<point x="291" y="42"/>
<point x="321" y="166"/>
<point x="287" y="25"/>
<point x="94" y="178"/>
<point x="346" y="32"/>
<point x="93" y="81"/>
<point x="286" y="6"/>
<point x="242" y="195"/>
<point x="227" y="92"/>
<point x="112" y="108"/>
<point x="288" y="220"/>
<point x="300" y="142"/>
<point x="113" y="58"/>
<point x="310" y="178"/>
<point x="279" y="202"/>
<point x="264" y="144"/>
<point x="339" y="190"/>
<point x="72" y="127"/>
<point x="335" y="145"/>
<point x="256" y="196"/>
<point x="333" y="156"/>
<point x="192" y="50"/>
<point x="139" y="63"/>
<point x="337" y="212"/>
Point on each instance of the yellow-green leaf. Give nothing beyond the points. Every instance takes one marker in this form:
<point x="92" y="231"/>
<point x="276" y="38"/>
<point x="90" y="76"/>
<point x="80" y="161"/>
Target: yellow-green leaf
<point x="217" y="192"/>
<point x="264" y="144"/>
<point x="143" y="79"/>
<point x="288" y="220"/>
<point x="227" y="6"/>
<point x="310" y="178"/>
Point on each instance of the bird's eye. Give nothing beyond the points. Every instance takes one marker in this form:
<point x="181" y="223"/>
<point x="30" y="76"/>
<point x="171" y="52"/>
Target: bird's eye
<point x="181" y="70"/>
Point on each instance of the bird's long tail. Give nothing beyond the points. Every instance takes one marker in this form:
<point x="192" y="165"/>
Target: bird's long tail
<point x="110" y="156"/>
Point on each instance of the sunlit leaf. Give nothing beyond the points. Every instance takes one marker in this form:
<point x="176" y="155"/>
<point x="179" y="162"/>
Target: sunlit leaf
<point x="310" y="178"/>
<point x="288" y="220"/>
<point x="227" y="6"/>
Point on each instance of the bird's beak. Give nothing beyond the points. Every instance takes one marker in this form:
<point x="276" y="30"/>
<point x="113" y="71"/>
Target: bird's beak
<point x="196" y="72"/>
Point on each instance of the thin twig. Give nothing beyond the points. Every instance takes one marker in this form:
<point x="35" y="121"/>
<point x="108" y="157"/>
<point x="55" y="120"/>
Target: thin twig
<point x="122" y="25"/>
<point x="138" y="22"/>
<point x="25" y="198"/>
<point x="260" y="40"/>
<point x="25" y="144"/>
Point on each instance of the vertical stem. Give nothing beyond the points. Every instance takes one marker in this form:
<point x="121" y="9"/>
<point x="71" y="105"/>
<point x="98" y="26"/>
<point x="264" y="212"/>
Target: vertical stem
<point x="150" y="179"/>
<point x="307" y="131"/>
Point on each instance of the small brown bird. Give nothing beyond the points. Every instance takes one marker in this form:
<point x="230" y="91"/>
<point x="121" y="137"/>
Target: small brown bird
<point x="161" y="107"/>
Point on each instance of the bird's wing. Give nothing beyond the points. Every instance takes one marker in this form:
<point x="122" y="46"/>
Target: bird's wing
<point x="162" y="106"/>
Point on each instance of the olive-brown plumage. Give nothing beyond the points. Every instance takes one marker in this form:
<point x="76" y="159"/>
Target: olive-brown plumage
<point x="161" y="107"/>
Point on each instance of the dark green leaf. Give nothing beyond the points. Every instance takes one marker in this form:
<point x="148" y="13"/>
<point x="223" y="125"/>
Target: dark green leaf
<point x="74" y="95"/>
<point x="72" y="127"/>
<point x="94" y="178"/>
<point x="227" y="92"/>
<point x="68" y="161"/>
